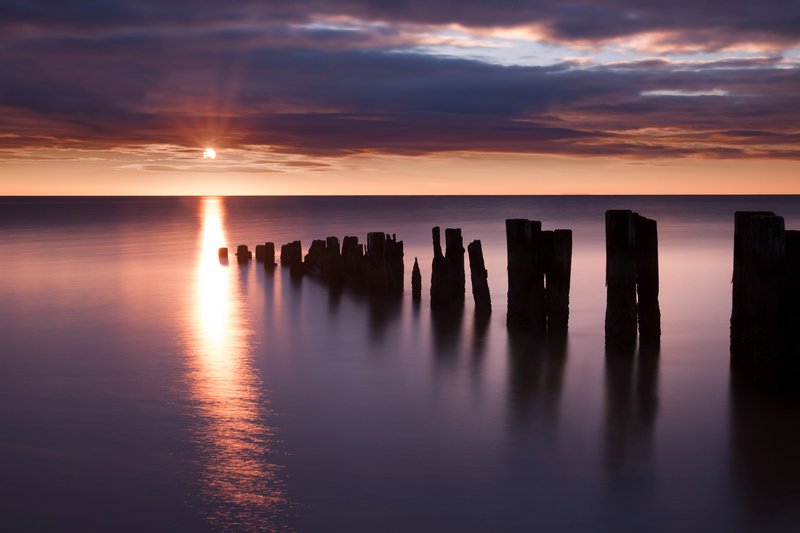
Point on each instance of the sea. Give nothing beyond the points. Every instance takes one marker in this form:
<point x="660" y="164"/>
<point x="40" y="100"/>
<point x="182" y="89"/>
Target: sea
<point x="147" y="386"/>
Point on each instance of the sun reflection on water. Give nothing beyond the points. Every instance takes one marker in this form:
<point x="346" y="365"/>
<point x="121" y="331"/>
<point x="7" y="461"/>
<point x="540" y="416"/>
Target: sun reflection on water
<point x="242" y="487"/>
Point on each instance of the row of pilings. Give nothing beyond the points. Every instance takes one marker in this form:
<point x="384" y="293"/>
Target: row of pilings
<point x="376" y="266"/>
<point x="765" y="316"/>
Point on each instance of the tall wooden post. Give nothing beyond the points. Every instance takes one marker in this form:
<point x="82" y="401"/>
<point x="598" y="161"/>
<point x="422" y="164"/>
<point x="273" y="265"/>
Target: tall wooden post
<point x="558" y="276"/>
<point x="480" y="278"/>
<point x="620" y="323"/>
<point x="649" y="312"/>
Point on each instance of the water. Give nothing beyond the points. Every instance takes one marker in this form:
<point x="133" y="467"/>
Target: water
<point x="145" y="386"/>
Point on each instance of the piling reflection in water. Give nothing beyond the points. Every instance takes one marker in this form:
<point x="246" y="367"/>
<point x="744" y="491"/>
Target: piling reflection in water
<point x="536" y="375"/>
<point x="240" y="483"/>
<point x="631" y="406"/>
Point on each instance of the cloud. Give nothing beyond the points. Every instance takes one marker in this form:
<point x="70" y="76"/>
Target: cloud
<point x="273" y="79"/>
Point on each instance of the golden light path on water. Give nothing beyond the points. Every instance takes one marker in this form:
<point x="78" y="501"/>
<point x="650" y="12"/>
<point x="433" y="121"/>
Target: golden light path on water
<point x="240" y="484"/>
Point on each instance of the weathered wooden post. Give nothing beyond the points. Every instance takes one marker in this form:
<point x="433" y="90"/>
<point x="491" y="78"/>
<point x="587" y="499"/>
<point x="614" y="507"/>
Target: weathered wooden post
<point x="416" y="282"/>
<point x="454" y="256"/>
<point x="394" y="267"/>
<point x="793" y="299"/>
<point x="620" y="322"/>
<point x="526" y="296"/>
<point x="292" y="257"/>
<point x="646" y="238"/>
<point x="269" y="255"/>
<point x="222" y="253"/>
<point x="333" y="265"/>
<point x="243" y="255"/>
<point x="376" y="264"/>
<point x="260" y="252"/>
<point x="558" y="268"/>
<point x="741" y="312"/>
<point x="353" y="259"/>
<point x="439" y="278"/>
<point x="448" y="277"/>
<point x="480" y="278"/>
<point x="760" y="286"/>
<point x="313" y="263"/>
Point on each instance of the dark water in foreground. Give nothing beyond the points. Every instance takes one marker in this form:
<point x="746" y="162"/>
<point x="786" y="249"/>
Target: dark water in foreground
<point x="144" y="386"/>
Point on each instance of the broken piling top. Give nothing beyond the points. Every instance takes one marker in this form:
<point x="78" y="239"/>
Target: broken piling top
<point x="384" y="264"/>
<point x="448" y="279"/>
<point x="292" y="257"/>
<point x="526" y="297"/>
<point x="222" y="253"/>
<point x="416" y="281"/>
<point x="631" y="280"/>
<point x="621" y="315"/>
<point x="762" y="332"/>
<point x="269" y="254"/>
<point x="647" y="283"/>
<point x="480" y="278"/>
<point x="558" y="272"/>
<point x="243" y="254"/>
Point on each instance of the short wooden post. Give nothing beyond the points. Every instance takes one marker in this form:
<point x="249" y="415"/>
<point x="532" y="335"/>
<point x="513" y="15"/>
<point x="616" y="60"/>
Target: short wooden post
<point x="222" y="253"/>
<point x="315" y="258"/>
<point x="416" y="282"/>
<point x="269" y="255"/>
<point x="292" y="257"/>
<point x="243" y="255"/>
<point x="375" y="260"/>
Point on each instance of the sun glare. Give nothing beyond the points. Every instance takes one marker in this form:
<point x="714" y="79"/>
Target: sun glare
<point x="209" y="153"/>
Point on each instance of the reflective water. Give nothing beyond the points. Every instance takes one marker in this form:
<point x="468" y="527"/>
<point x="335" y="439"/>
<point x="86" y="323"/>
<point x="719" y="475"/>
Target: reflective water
<point x="146" y="386"/>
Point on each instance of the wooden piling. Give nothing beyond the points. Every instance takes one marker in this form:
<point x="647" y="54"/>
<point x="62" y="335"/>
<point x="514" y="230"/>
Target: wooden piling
<point x="313" y="263"/>
<point x="416" y="282"/>
<point x="353" y="261"/>
<point x="454" y="256"/>
<point x="243" y="254"/>
<point x="741" y="314"/>
<point x="648" y="311"/>
<point x="480" y="278"/>
<point x="375" y="263"/>
<point x="526" y="305"/>
<point x="269" y="255"/>
<point x="558" y="268"/>
<point x="448" y="277"/>
<point x="222" y="253"/>
<point x="620" y="321"/>
<point x="760" y="283"/>
<point x="333" y="265"/>
<point x="395" y="270"/>
<point x="260" y="253"/>
<point x="292" y="257"/>
<point x="439" y="280"/>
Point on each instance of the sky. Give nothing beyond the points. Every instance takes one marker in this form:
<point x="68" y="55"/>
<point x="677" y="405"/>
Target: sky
<point x="399" y="97"/>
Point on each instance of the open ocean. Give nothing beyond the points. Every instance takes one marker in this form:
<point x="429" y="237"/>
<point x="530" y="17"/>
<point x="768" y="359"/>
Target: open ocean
<point x="144" y="386"/>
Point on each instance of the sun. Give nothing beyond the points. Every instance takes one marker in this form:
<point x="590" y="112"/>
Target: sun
<point x="209" y="153"/>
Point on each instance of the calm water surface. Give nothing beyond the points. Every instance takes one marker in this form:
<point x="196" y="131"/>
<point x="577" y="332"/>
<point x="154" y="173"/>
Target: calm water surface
<point x="144" y="386"/>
